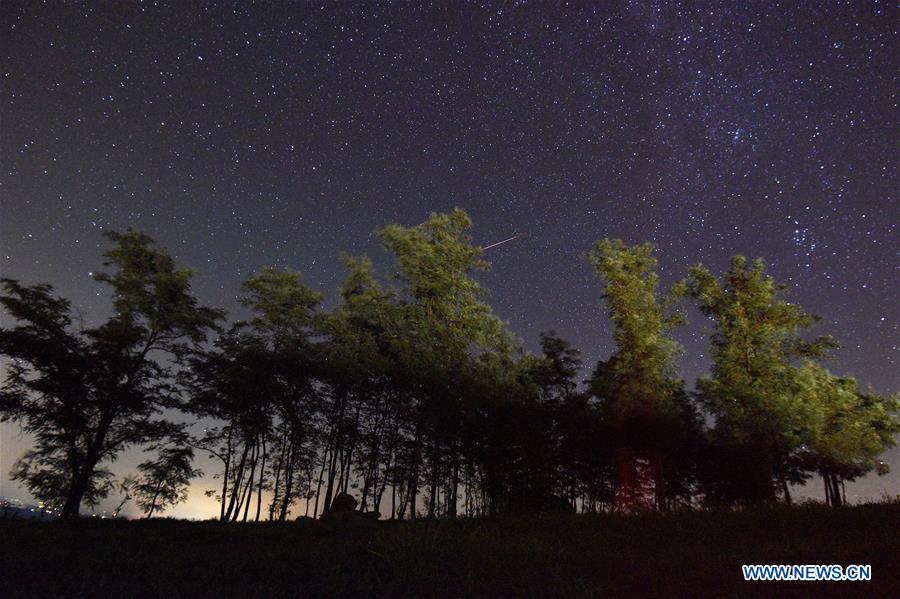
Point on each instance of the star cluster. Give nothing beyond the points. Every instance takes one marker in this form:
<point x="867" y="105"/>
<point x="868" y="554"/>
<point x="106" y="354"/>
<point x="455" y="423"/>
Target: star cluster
<point x="278" y="134"/>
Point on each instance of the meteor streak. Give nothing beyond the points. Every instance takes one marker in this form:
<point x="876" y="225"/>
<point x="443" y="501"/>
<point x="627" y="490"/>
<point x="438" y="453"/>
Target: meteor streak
<point x="513" y="238"/>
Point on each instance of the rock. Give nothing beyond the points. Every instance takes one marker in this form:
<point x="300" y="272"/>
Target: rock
<point x="342" y="502"/>
<point x="343" y="509"/>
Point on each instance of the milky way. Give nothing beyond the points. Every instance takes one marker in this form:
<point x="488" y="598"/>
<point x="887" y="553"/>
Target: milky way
<point x="245" y="136"/>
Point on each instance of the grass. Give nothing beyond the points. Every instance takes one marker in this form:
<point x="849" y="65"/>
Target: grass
<point x="690" y="554"/>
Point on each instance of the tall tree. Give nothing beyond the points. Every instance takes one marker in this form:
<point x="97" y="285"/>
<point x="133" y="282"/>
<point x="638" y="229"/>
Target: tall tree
<point x="234" y="384"/>
<point x="523" y="432"/>
<point x="259" y="381"/>
<point x="448" y="325"/>
<point x="760" y="418"/>
<point x="365" y="423"/>
<point x="88" y="394"/>
<point x="638" y="383"/>
<point x="286" y="322"/>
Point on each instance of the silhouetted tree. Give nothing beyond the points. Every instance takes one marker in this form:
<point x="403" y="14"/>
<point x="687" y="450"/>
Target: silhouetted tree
<point x="550" y="394"/>
<point x="88" y="394"/>
<point x="259" y="381"/>
<point x="285" y="321"/>
<point x="163" y="482"/>
<point x="361" y="351"/>
<point x="228" y="385"/>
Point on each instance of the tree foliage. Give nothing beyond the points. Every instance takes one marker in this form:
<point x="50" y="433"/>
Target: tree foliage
<point x="410" y="393"/>
<point x="760" y="416"/>
<point x="645" y="403"/>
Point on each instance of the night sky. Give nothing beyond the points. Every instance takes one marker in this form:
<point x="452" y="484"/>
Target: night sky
<point x="241" y="136"/>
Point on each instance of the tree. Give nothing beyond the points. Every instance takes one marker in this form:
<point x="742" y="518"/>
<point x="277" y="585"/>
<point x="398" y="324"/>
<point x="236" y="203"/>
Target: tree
<point x="524" y="437"/>
<point x="364" y="419"/>
<point x="638" y="383"/>
<point x="234" y="383"/>
<point x="760" y="418"/>
<point x="555" y="372"/>
<point x="259" y="381"/>
<point x="849" y="429"/>
<point x="88" y="394"/>
<point x="285" y="322"/>
<point x="163" y="482"/>
<point x="447" y="330"/>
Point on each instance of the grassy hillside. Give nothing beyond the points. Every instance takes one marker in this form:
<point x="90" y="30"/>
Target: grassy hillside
<point x="653" y="555"/>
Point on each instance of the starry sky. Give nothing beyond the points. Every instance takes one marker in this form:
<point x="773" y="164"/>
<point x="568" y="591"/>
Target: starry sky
<point x="244" y="135"/>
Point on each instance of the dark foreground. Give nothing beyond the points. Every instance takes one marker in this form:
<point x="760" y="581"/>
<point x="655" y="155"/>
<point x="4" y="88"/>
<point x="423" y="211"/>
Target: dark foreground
<point x="655" y="555"/>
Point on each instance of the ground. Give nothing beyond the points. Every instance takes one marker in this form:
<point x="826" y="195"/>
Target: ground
<point x="690" y="554"/>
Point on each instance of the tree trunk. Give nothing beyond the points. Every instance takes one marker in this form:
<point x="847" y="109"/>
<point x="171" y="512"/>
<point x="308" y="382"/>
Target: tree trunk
<point x="329" y="486"/>
<point x="236" y="486"/>
<point x="82" y="478"/>
<point x="785" y="488"/>
<point x="248" y="492"/>
<point x="659" y="481"/>
<point x="289" y="477"/>
<point x="71" y="507"/>
<point x="262" y="475"/>
<point x="153" y="502"/>
<point x="276" y="487"/>
<point x="319" y="484"/>
<point x="454" y="487"/>
<point x="228" y="452"/>
<point x="837" y="500"/>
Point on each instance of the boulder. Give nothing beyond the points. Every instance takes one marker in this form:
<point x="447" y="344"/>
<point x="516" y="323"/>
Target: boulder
<point x="342" y="502"/>
<point x="343" y="508"/>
